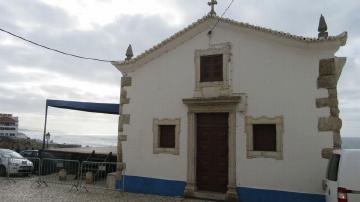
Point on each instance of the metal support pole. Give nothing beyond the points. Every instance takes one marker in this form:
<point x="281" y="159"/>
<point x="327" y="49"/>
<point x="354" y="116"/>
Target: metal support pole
<point x="46" y="111"/>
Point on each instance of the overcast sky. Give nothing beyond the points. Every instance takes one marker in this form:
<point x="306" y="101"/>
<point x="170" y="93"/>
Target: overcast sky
<point x="104" y="28"/>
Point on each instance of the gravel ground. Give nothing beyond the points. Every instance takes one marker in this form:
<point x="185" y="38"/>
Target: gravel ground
<point x="21" y="191"/>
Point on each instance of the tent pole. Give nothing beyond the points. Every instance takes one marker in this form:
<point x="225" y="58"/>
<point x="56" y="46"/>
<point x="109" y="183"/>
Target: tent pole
<point x="46" y="111"/>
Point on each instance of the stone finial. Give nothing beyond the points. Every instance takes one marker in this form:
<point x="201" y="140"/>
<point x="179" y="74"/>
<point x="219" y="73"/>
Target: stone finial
<point x="129" y="53"/>
<point x="322" y="28"/>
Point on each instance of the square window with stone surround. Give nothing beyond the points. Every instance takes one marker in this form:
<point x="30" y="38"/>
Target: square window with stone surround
<point x="212" y="68"/>
<point x="166" y="136"/>
<point x="264" y="137"/>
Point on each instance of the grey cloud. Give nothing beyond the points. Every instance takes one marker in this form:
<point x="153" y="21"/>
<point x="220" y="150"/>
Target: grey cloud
<point x="55" y="28"/>
<point x="34" y="12"/>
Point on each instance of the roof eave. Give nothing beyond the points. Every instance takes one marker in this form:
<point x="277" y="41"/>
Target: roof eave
<point x="130" y="65"/>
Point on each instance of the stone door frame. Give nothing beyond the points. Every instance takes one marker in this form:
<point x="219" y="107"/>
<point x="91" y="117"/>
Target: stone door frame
<point x="211" y="105"/>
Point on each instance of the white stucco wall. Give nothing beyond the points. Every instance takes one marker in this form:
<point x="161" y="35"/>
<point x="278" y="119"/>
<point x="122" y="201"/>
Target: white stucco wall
<point x="279" y="78"/>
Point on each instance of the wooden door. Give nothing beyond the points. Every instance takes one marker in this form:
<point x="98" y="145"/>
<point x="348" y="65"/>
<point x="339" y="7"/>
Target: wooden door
<point x="212" y="152"/>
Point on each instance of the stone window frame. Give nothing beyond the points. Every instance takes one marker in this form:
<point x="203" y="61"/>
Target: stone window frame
<point x="279" y="122"/>
<point x="156" y="136"/>
<point x="224" y="49"/>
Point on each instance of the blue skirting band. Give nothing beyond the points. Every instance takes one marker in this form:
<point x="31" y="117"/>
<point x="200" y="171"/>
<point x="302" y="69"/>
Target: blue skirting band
<point x="266" y="195"/>
<point x="162" y="187"/>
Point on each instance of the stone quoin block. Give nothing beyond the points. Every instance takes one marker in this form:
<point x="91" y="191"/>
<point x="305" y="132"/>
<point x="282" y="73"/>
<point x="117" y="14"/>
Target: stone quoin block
<point x="322" y="102"/>
<point x="327" y="67"/>
<point x="334" y="111"/>
<point x="125" y="81"/>
<point x="120" y="127"/>
<point x="332" y="93"/>
<point x="122" y="137"/>
<point x="326" y="102"/>
<point x="124" y="100"/>
<point x="125" y="118"/>
<point x="326" y="153"/>
<point x="336" y="140"/>
<point x="329" y="124"/>
<point x="123" y="93"/>
<point x="327" y="81"/>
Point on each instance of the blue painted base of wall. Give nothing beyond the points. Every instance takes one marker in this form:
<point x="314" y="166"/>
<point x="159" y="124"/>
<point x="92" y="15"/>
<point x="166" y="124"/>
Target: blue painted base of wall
<point x="148" y="185"/>
<point x="265" y="195"/>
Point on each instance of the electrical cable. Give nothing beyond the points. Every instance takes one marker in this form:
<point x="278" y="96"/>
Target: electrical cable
<point x="222" y="15"/>
<point x="53" y="49"/>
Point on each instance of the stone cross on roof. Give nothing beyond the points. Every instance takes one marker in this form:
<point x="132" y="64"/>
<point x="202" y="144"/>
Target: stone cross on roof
<point x="212" y="3"/>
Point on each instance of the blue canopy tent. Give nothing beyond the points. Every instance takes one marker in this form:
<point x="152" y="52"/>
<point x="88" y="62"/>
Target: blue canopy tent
<point x="105" y="108"/>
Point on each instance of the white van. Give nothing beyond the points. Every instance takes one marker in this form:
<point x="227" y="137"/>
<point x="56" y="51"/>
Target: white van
<point x="342" y="183"/>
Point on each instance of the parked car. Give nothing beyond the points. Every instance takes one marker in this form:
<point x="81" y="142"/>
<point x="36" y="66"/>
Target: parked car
<point x="342" y="183"/>
<point x="13" y="163"/>
<point x="35" y="154"/>
<point x="47" y="167"/>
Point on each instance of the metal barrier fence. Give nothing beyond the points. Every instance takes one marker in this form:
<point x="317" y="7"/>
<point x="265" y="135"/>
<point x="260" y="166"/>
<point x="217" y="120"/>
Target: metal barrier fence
<point x="86" y="175"/>
<point x="60" y="171"/>
<point x="22" y="169"/>
<point x="102" y="175"/>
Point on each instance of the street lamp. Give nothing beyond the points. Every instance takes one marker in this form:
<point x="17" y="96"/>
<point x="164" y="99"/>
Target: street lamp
<point x="47" y="136"/>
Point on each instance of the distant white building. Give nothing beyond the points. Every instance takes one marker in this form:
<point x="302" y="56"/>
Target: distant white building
<point x="8" y="125"/>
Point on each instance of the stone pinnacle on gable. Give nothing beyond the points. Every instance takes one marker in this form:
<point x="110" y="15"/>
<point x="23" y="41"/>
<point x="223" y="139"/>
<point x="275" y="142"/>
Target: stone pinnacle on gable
<point x="322" y="28"/>
<point x="129" y="53"/>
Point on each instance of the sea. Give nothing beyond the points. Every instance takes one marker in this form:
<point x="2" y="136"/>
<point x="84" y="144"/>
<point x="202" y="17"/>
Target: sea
<point x="100" y="140"/>
<point x="93" y="140"/>
<point x="350" y="142"/>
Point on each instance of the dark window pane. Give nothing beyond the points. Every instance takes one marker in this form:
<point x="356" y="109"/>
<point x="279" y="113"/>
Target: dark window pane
<point x="211" y="68"/>
<point x="264" y="137"/>
<point x="332" y="170"/>
<point x="167" y="136"/>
